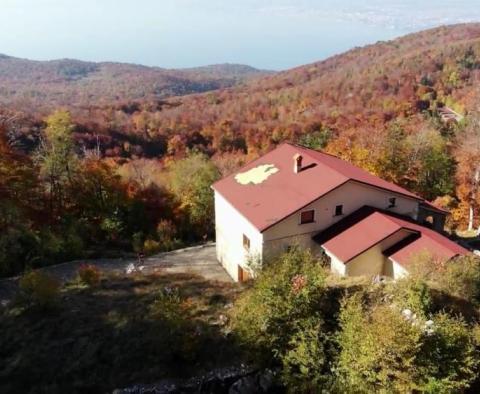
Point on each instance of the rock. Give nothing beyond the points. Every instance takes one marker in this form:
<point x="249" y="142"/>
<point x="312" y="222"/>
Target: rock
<point x="240" y="379"/>
<point x="246" y="385"/>
<point x="266" y="380"/>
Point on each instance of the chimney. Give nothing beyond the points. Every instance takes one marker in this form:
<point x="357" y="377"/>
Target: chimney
<point x="297" y="163"/>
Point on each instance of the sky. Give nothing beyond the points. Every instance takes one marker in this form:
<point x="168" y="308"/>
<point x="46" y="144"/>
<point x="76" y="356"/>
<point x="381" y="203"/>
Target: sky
<point x="267" y="34"/>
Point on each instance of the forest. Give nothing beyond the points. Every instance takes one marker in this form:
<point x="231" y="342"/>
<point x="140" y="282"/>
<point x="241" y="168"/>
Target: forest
<point x="79" y="180"/>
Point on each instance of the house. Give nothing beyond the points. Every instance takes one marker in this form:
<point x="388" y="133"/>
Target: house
<point x="299" y="196"/>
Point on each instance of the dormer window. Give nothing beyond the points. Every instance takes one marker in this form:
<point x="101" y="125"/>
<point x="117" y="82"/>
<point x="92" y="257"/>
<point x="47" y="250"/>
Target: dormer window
<point x="307" y="216"/>
<point x="392" y="202"/>
<point x="339" y="210"/>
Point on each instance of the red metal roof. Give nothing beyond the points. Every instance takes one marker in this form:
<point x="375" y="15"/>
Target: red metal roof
<point x="369" y="226"/>
<point x="429" y="205"/>
<point x="285" y="192"/>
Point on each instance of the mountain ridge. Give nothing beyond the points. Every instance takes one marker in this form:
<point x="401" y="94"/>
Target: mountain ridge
<point x="72" y="82"/>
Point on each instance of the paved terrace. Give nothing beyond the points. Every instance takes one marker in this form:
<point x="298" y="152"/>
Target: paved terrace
<point x="200" y="260"/>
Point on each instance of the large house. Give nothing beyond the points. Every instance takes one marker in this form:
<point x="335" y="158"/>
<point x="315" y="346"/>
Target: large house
<point x="299" y="196"/>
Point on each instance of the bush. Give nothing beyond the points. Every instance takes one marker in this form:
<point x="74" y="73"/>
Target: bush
<point x="137" y="241"/>
<point x="412" y="293"/>
<point x="305" y="356"/>
<point x="169" y="311"/>
<point x="89" y="274"/>
<point x="387" y="349"/>
<point x="280" y="318"/>
<point x="39" y="289"/>
<point x="459" y="277"/>
<point x="448" y="357"/>
<point x="378" y="348"/>
<point x="16" y="247"/>
<point x="166" y="233"/>
<point x="462" y="278"/>
<point x="151" y="246"/>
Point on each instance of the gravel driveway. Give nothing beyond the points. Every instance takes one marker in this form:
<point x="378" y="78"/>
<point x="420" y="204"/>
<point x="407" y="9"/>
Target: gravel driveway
<point x="200" y="260"/>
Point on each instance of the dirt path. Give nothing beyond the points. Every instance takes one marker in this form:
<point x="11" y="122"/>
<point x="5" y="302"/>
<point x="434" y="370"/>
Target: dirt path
<point x="199" y="260"/>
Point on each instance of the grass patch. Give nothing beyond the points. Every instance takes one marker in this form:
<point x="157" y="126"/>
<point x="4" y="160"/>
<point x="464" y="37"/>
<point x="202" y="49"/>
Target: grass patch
<point x="124" y="331"/>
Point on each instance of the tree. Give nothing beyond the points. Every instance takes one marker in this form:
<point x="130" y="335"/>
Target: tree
<point x="392" y="161"/>
<point x="57" y="159"/>
<point x="19" y="202"/>
<point x="190" y="181"/>
<point x="468" y="169"/>
<point x="316" y="139"/>
<point x="432" y="168"/>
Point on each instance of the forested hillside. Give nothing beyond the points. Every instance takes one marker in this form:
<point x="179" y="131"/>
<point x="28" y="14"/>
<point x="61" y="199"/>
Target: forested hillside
<point x="44" y="85"/>
<point x="134" y="151"/>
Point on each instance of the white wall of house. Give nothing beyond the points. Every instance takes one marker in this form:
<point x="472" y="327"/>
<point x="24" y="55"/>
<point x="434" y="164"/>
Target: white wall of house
<point x="230" y="226"/>
<point x="398" y="272"/>
<point x="351" y="195"/>
<point x="336" y="265"/>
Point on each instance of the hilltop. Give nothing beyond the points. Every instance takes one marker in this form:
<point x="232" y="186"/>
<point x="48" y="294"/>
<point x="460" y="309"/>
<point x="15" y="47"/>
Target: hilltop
<point x="69" y="82"/>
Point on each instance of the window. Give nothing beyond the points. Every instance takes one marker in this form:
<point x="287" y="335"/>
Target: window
<point x="246" y="242"/>
<point x="339" y="210"/>
<point x="392" y="202"/>
<point x="307" y="217"/>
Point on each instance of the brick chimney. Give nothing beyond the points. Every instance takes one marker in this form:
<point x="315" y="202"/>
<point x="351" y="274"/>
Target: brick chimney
<point x="297" y="163"/>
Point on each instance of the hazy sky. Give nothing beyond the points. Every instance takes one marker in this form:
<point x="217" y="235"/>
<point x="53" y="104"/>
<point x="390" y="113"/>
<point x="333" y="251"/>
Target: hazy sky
<point x="272" y="34"/>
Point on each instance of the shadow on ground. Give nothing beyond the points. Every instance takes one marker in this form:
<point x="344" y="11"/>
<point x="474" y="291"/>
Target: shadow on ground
<point x="117" y="334"/>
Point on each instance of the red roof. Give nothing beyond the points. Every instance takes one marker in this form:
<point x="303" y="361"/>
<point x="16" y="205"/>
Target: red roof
<point x="285" y="192"/>
<point x="430" y="206"/>
<point x="369" y="226"/>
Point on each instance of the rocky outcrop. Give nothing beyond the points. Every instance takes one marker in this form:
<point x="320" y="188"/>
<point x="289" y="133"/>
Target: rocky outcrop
<point x="231" y="380"/>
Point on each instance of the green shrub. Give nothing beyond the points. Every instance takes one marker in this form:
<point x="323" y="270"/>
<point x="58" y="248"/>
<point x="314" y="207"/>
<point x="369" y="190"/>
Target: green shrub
<point x="459" y="277"/>
<point x="39" y="289"/>
<point x="89" y="274"/>
<point x="378" y="348"/>
<point x="387" y="349"/>
<point x="305" y="356"/>
<point x="169" y="312"/>
<point x="281" y="314"/>
<point x="16" y="248"/>
<point x="462" y="278"/>
<point x="166" y="233"/>
<point x="151" y="247"/>
<point x="448" y="357"/>
<point x="412" y="293"/>
<point x="112" y="227"/>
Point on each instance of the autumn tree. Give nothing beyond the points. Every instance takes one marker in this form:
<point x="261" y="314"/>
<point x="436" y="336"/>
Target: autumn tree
<point x="392" y="160"/>
<point x="468" y="169"/>
<point x="18" y="204"/>
<point x="57" y="158"/>
<point x="431" y="166"/>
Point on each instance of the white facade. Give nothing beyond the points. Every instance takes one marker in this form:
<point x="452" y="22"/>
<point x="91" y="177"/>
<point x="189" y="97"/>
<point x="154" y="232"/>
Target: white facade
<point x="352" y="195"/>
<point x="232" y="226"/>
<point x="398" y="272"/>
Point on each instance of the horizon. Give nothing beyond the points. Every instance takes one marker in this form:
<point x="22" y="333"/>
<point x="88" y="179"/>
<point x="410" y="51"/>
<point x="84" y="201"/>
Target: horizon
<point x="265" y="34"/>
